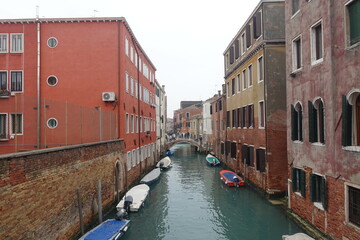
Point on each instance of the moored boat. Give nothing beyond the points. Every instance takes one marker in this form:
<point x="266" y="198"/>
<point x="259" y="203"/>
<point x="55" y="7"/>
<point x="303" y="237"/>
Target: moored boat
<point x="111" y="229"/>
<point x="212" y="160"/>
<point x="133" y="199"/>
<point x="231" y="179"/>
<point x="164" y="163"/>
<point x="169" y="152"/>
<point x="151" y="177"/>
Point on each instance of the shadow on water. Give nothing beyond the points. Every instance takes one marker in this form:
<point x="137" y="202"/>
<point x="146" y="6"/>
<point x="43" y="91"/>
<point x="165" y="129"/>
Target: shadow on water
<point x="191" y="202"/>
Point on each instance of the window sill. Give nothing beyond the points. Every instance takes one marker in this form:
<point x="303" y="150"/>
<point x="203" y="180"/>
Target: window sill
<point x="317" y="62"/>
<point x="319" y="205"/>
<point x="352" y="225"/>
<point x="299" y="194"/>
<point x="318" y="144"/>
<point x="297" y="141"/>
<point x="296" y="71"/>
<point x="350" y="47"/>
<point x="295" y="14"/>
<point x="262" y="128"/>
<point x="352" y="148"/>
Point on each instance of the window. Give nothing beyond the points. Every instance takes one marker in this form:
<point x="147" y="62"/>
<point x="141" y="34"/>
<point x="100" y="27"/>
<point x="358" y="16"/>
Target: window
<point x="3" y="43"/>
<point x="128" y="160"/>
<point x="222" y="148"/>
<point x="261" y="114"/>
<point x="247" y="155"/>
<point x="52" y="42"/>
<point x="16" y="81"/>
<point x="233" y="150"/>
<point x="52" y="123"/>
<point x="227" y="118"/>
<point x="318" y="192"/>
<point x="126" y="47"/>
<point x="353" y="17"/>
<point x="296" y="54"/>
<point x="351" y="119"/>
<point x="133" y="158"/>
<point x="237" y="51"/>
<point x="228" y="89"/>
<point x="187" y="115"/>
<point x="238" y="80"/>
<point x="136" y="88"/>
<point x="140" y="123"/>
<point x="3" y="81"/>
<point x="316" y="121"/>
<point x="126" y="82"/>
<point x="3" y="126"/>
<point x="250" y="75"/>
<point x="250" y="116"/>
<point x="131" y="86"/>
<point x="243" y="43"/>
<point x="299" y="181"/>
<point x="131" y="53"/>
<point x="244" y="83"/>
<point x="220" y="106"/>
<point x="233" y="86"/>
<point x="296" y="122"/>
<point x="248" y="35"/>
<point x="316" y="43"/>
<point x="132" y="123"/>
<point x="136" y="60"/>
<point x="257" y="25"/>
<point x="127" y="123"/>
<point x="16" y="123"/>
<point x="52" y="81"/>
<point x="234" y="120"/>
<point x="232" y="55"/>
<point x="295" y="6"/>
<point x="17" y="43"/>
<point x="260" y="160"/>
<point x="244" y="118"/>
<point x="260" y="69"/>
<point x="353" y="200"/>
<point x="239" y="117"/>
<point x="136" y="124"/>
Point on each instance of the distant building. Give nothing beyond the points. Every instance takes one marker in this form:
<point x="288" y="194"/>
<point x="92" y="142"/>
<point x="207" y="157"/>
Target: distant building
<point x="218" y="118"/>
<point x="207" y="130"/>
<point x="185" y="104"/>
<point x="161" y="106"/>
<point x="196" y="127"/>
<point x="72" y="81"/>
<point x="323" y="110"/>
<point x="182" y="117"/>
<point x="255" y="143"/>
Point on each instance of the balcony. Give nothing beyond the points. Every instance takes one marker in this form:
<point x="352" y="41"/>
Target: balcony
<point x="4" y="93"/>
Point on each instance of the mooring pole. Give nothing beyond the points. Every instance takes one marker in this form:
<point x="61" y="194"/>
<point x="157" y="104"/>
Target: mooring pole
<point x="80" y="212"/>
<point x="99" y="201"/>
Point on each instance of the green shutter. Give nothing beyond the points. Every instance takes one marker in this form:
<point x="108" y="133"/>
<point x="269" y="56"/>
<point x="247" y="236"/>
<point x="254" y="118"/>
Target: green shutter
<point x="323" y="193"/>
<point x="312" y="187"/>
<point x="346" y="122"/>
<point x="294" y="179"/>
<point x="293" y="123"/>
<point x="303" y="183"/>
<point x="354" y="17"/>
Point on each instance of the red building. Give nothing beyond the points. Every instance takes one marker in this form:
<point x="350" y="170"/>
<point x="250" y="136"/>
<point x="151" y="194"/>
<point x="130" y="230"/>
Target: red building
<point x="72" y="81"/>
<point x="323" y="109"/>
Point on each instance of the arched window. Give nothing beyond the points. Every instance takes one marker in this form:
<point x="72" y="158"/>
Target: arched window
<point x="296" y="122"/>
<point x="351" y="118"/>
<point x="316" y="121"/>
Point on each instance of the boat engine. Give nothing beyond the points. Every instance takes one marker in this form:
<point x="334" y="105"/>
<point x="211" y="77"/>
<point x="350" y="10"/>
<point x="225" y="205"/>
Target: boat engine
<point x="161" y="165"/>
<point x="128" y="201"/>
<point x="236" y="181"/>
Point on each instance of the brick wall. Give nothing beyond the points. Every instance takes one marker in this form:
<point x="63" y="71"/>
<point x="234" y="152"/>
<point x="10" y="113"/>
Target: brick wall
<point x="38" y="189"/>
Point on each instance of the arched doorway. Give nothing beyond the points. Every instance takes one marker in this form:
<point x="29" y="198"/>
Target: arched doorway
<point x="118" y="180"/>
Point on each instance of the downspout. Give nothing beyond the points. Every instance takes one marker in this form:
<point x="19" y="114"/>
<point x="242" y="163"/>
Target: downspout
<point x="38" y="83"/>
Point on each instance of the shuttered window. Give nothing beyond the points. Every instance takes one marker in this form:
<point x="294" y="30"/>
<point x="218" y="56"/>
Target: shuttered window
<point x="312" y="122"/>
<point x="238" y="117"/>
<point x="251" y="155"/>
<point x="222" y="148"/>
<point x="227" y="147"/>
<point x="248" y="35"/>
<point x="232" y="55"/>
<point x="260" y="160"/>
<point x="257" y="25"/>
<point x="234" y="120"/>
<point x="318" y="192"/>
<point x="233" y="150"/>
<point x="233" y="86"/>
<point x="299" y="181"/>
<point x="296" y="123"/>
<point x="228" y="119"/>
<point x="354" y="20"/>
<point x="237" y="50"/>
<point x="244" y="154"/>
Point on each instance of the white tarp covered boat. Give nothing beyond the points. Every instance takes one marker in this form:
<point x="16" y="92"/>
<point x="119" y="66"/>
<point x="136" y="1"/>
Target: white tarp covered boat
<point x="137" y="194"/>
<point x="297" y="236"/>
<point x="164" y="163"/>
<point x="151" y="177"/>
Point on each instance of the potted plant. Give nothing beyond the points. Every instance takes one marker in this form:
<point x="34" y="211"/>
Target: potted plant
<point x="4" y="93"/>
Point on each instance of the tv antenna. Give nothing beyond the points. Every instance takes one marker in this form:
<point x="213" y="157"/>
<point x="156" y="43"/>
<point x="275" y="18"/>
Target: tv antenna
<point x="95" y="11"/>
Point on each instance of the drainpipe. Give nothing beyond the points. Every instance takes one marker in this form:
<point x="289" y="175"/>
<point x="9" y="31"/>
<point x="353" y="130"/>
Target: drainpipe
<point x="38" y="81"/>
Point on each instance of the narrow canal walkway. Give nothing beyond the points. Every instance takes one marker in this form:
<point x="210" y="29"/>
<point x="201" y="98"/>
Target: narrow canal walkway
<point x="191" y="202"/>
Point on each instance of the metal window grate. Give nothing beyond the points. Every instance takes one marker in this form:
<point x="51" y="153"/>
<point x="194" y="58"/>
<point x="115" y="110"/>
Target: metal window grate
<point x="354" y="206"/>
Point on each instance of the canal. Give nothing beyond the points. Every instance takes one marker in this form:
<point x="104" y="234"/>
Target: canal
<point x="191" y="202"/>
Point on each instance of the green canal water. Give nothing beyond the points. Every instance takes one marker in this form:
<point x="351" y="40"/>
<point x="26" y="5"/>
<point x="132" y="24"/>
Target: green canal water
<point x="190" y="202"/>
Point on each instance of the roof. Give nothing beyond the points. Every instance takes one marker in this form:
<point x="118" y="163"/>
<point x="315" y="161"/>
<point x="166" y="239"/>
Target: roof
<point x="185" y="104"/>
<point x="78" y="20"/>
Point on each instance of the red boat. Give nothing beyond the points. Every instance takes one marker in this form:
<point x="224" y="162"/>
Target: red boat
<point x="231" y="179"/>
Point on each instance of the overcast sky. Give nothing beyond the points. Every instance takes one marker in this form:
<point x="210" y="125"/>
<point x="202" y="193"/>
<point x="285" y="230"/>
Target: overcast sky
<point x="184" y="39"/>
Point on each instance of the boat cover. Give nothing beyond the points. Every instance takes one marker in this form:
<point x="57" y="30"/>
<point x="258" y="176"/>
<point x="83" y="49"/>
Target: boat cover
<point x="106" y="230"/>
<point x="229" y="176"/>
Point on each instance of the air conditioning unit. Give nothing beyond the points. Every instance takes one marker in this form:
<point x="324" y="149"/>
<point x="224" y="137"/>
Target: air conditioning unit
<point x="108" y="96"/>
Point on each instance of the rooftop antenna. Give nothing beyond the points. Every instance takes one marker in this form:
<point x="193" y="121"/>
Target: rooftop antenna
<point x="37" y="12"/>
<point x="95" y="11"/>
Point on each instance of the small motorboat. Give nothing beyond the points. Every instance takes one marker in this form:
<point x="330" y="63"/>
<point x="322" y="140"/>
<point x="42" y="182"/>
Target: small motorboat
<point x="231" y="179"/>
<point x="212" y="160"/>
<point x="133" y="199"/>
<point x="111" y="229"/>
<point x="169" y="153"/>
<point x="297" y="236"/>
<point x="151" y="177"/>
<point x="164" y="163"/>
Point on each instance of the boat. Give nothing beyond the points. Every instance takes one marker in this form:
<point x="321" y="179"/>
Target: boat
<point x="169" y="153"/>
<point x="151" y="177"/>
<point x="133" y="199"/>
<point x="111" y="229"/>
<point x="164" y="163"/>
<point x="231" y="179"/>
<point x="212" y="160"/>
<point x="297" y="236"/>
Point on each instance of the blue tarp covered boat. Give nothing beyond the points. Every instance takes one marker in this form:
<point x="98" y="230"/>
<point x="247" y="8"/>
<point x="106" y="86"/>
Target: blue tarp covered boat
<point x="111" y="229"/>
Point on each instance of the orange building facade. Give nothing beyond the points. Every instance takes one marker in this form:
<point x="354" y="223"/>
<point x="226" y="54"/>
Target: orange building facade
<point x="73" y="81"/>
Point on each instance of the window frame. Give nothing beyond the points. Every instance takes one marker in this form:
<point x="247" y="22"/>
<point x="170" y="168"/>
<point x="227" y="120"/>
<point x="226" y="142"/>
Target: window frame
<point x="297" y="125"/>
<point x="347" y="204"/>
<point x="347" y="28"/>
<point x="21" y="124"/>
<point x="318" y="190"/>
<point x="260" y="69"/>
<point x="22" y="81"/>
<point x="250" y="76"/>
<point x="295" y="52"/>
<point x="243" y="42"/>
<point x="127" y="123"/>
<point x="6" y="126"/>
<point x="6" y="80"/>
<point x="294" y="13"/>
<point x="6" y="35"/>
<point x="314" y="43"/>
<point x="244" y="79"/>
<point x="350" y="126"/>
<point x="261" y="114"/>
<point x="238" y="82"/>
<point x="11" y="43"/>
